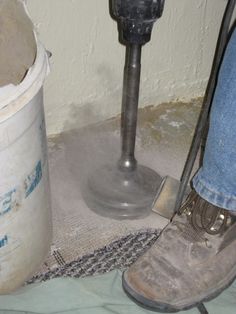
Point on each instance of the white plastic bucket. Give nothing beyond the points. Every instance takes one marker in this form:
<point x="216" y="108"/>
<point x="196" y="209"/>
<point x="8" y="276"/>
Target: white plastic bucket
<point x="25" y="213"/>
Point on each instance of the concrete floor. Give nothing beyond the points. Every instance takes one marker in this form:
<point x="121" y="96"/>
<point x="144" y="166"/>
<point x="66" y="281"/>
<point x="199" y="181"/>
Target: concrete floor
<point x="163" y="138"/>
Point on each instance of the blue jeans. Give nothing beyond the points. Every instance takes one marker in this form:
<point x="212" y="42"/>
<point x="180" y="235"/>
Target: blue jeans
<point x="216" y="179"/>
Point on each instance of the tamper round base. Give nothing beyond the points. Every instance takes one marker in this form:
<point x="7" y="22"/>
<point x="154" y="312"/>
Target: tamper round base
<point x="119" y="194"/>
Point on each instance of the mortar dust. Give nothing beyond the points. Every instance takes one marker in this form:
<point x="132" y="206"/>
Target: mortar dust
<point x="17" y="42"/>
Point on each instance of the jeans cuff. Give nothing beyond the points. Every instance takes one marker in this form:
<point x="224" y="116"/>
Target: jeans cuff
<point x="216" y="198"/>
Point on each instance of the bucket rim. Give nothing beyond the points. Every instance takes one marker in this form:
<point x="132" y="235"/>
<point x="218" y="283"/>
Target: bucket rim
<point x="14" y="98"/>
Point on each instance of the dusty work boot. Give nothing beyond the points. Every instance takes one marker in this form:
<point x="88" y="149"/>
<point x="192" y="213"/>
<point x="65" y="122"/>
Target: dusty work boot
<point x="193" y="260"/>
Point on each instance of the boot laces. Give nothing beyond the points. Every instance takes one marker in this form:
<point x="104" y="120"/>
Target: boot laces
<point x="203" y="216"/>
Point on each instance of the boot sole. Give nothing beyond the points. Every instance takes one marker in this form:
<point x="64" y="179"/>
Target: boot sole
<point x="167" y="308"/>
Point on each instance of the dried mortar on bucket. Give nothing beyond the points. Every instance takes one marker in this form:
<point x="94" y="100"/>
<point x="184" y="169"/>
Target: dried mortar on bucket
<point x="18" y="46"/>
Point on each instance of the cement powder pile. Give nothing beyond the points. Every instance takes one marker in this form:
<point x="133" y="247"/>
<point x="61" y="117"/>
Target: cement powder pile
<point x="17" y="42"/>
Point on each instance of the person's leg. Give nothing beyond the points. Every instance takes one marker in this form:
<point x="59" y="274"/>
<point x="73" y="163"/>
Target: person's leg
<point x="194" y="259"/>
<point x="216" y="180"/>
